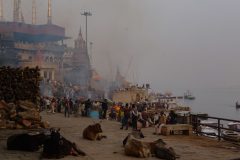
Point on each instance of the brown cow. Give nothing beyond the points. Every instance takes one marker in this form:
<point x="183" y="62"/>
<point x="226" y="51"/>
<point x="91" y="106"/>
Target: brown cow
<point x="92" y="132"/>
<point x="137" y="148"/>
<point x="136" y="134"/>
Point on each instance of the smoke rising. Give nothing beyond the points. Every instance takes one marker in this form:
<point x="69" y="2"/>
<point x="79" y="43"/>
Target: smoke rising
<point x="174" y="44"/>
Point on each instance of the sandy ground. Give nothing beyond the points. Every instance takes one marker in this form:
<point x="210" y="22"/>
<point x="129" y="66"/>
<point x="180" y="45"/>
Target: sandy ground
<point x="188" y="147"/>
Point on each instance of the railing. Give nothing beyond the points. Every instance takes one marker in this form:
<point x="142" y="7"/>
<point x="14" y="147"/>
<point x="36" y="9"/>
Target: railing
<point x="195" y="120"/>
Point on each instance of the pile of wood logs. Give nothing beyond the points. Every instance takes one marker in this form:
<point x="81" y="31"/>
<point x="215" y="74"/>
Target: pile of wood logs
<point x="20" y="115"/>
<point x="19" y="84"/>
<point x="19" y="95"/>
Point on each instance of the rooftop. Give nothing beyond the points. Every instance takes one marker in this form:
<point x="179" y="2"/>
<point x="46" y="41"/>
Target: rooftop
<point x="35" y="33"/>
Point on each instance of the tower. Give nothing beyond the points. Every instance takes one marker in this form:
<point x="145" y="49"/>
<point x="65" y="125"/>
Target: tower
<point x="49" y="12"/>
<point x="16" y="11"/>
<point x="1" y="10"/>
<point x="22" y="17"/>
<point x="34" y="12"/>
<point x="79" y="42"/>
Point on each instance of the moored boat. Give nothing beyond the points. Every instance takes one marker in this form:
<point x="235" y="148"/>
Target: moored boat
<point x="234" y="126"/>
<point x="207" y="128"/>
<point x="231" y="136"/>
<point x="209" y="131"/>
<point x="188" y="95"/>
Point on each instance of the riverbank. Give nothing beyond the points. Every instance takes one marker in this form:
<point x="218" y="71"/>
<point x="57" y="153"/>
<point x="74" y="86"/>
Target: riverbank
<point x="188" y="147"/>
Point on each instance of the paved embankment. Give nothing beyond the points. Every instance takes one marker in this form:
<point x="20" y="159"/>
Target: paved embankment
<point x="188" y="147"/>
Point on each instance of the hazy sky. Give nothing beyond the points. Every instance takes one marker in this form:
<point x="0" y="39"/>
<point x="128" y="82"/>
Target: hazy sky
<point x="171" y="44"/>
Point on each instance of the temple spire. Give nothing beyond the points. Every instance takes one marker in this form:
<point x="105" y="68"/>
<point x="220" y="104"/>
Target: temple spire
<point x="80" y="32"/>
<point x="16" y="11"/>
<point x="21" y="17"/>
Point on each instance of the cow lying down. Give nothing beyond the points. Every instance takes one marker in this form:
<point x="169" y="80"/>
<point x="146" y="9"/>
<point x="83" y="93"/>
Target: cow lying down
<point x="93" y="132"/>
<point x="26" y="141"/>
<point x="138" y="148"/>
<point x="56" y="146"/>
<point x="136" y="134"/>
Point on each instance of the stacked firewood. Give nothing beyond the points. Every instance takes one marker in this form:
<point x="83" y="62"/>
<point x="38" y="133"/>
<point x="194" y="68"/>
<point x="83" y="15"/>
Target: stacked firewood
<point x="19" y="95"/>
<point x="20" y="115"/>
<point x="19" y="84"/>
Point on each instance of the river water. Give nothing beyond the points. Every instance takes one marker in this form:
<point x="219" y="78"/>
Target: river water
<point x="217" y="102"/>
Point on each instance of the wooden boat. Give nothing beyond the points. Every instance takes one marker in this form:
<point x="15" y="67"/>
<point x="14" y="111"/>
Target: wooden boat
<point x="207" y="128"/>
<point x="231" y="136"/>
<point x="208" y="131"/>
<point x="188" y="95"/>
<point x="234" y="126"/>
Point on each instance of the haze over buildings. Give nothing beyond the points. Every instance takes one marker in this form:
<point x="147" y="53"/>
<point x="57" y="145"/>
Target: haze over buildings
<point x="174" y="44"/>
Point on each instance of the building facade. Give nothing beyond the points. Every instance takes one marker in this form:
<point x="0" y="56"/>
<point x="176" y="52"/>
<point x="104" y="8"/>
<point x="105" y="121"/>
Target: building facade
<point x="26" y="45"/>
<point x="76" y="64"/>
<point x="131" y="94"/>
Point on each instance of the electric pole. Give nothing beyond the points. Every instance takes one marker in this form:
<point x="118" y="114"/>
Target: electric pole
<point x="86" y="14"/>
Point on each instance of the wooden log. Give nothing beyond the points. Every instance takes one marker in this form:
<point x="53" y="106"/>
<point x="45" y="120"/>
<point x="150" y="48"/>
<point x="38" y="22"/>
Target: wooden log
<point x="3" y="114"/>
<point x="35" y="116"/>
<point x="3" y="104"/>
<point x="10" y="124"/>
<point x="19" y="126"/>
<point x="3" y="123"/>
<point x="26" y="123"/>
<point x="11" y="106"/>
<point x="45" y="124"/>
<point x="27" y="105"/>
<point x="13" y="114"/>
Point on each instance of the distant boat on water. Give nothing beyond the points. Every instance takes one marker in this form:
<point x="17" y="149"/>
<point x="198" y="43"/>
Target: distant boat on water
<point x="188" y="95"/>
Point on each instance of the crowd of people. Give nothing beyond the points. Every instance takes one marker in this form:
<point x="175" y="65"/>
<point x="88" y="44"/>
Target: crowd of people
<point x="133" y="115"/>
<point x="60" y="105"/>
<point x="68" y="106"/>
<point x="138" y="116"/>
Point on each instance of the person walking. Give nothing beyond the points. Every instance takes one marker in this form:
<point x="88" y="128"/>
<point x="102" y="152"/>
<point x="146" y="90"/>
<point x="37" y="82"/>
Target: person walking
<point x="53" y="105"/>
<point x="126" y="117"/>
<point x="66" y="107"/>
<point x="70" y="102"/>
<point x="47" y="102"/>
<point x="87" y="107"/>
<point x="42" y="104"/>
<point x="134" y="115"/>
<point x="59" y="104"/>
<point x="104" y="109"/>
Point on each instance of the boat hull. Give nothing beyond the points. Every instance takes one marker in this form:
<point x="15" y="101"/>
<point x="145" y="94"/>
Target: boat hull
<point x="231" y="136"/>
